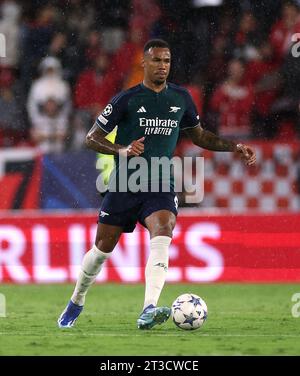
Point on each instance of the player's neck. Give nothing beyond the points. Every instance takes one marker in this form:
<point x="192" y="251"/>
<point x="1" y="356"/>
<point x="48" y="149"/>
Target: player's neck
<point x="151" y="85"/>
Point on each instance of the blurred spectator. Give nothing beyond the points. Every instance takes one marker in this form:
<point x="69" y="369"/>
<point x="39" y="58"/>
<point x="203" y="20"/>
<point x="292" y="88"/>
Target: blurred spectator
<point x="144" y="14"/>
<point x="70" y="56"/>
<point x="93" y="47"/>
<point x="282" y="31"/>
<point x="12" y="124"/>
<point x="91" y="94"/>
<point x="290" y="74"/>
<point x="246" y="37"/>
<point x="285" y="110"/>
<point x="165" y="26"/>
<point x="80" y="124"/>
<point x="233" y="101"/>
<point x="262" y="72"/>
<point x="51" y="131"/>
<point x="49" y="107"/>
<point x="197" y="96"/>
<point x="222" y="50"/>
<point x="58" y="45"/>
<point x="123" y="61"/>
<point x="135" y="72"/>
<point x="9" y="26"/>
<point x="36" y="37"/>
<point x="78" y="17"/>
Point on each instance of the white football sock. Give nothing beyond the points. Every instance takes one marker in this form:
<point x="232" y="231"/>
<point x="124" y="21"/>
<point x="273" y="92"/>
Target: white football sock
<point x="156" y="268"/>
<point x="91" y="265"/>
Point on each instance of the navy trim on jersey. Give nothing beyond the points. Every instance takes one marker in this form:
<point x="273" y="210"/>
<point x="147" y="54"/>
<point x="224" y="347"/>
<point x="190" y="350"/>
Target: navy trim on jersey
<point x="99" y="125"/>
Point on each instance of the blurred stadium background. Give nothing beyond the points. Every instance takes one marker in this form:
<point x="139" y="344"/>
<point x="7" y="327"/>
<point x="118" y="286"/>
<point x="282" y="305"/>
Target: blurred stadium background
<point x="66" y="58"/>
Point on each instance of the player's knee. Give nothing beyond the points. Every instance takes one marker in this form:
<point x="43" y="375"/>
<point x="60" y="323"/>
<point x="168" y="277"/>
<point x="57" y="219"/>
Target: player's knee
<point x="162" y="229"/>
<point x="106" y="245"/>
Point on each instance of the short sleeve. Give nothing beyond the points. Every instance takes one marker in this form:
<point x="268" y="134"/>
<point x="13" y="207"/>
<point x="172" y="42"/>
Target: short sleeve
<point x="112" y="113"/>
<point x="190" y="117"/>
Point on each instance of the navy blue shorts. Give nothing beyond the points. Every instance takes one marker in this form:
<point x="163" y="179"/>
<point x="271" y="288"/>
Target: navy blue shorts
<point x="125" y="209"/>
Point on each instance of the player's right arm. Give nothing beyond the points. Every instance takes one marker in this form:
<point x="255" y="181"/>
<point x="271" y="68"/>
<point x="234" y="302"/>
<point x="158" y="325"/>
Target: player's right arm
<point x="96" y="141"/>
<point x="105" y="123"/>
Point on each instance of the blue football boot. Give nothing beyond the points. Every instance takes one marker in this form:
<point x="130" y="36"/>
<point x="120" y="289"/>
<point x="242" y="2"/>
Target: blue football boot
<point x="152" y="316"/>
<point x="69" y="316"/>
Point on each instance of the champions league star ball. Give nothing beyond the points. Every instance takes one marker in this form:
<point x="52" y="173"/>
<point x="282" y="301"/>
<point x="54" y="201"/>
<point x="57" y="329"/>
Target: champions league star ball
<point x="189" y="311"/>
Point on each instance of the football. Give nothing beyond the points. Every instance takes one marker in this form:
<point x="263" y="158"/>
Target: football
<point x="189" y="311"/>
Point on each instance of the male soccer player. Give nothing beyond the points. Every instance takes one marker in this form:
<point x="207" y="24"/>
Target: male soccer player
<point x="149" y="117"/>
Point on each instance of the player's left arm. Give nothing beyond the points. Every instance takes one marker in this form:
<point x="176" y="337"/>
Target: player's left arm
<point x="210" y="141"/>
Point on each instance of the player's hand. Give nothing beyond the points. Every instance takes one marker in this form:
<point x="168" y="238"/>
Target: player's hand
<point x="246" y="153"/>
<point x="136" y="148"/>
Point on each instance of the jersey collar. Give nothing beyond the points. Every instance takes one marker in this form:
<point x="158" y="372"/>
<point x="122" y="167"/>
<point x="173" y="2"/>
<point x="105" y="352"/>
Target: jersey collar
<point x="152" y="91"/>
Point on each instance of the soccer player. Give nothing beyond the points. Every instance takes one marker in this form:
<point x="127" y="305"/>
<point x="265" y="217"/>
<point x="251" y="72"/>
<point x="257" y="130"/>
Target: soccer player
<point x="149" y="117"/>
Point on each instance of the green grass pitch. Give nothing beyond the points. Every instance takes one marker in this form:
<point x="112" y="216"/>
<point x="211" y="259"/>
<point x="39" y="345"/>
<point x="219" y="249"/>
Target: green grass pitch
<point x="246" y="319"/>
